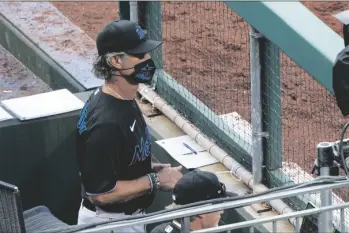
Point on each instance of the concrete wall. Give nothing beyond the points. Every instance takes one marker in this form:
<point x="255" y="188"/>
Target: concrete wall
<point x="38" y="156"/>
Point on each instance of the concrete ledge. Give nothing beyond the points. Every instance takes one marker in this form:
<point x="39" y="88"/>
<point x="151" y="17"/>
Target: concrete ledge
<point x="16" y="79"/>
<point x="37" y="32"/>
<point x="35" y="59"/>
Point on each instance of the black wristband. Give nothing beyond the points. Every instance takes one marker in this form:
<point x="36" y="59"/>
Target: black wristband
<point x="155" y="181"/>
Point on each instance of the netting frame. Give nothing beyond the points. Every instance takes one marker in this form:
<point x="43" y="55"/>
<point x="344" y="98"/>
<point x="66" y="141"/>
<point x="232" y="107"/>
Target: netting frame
<point x="273" y="175"/>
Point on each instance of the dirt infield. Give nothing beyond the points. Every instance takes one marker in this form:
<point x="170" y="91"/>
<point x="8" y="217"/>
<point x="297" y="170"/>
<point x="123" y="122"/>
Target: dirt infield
<point x="206" y="49"/>
<point x="16" y="80"/>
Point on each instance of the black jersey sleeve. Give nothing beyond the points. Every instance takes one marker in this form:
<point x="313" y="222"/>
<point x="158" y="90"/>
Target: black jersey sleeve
<point x="100" y="160"/>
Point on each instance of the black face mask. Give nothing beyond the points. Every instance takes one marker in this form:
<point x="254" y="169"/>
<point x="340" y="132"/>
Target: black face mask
<point x="143" y="72"/>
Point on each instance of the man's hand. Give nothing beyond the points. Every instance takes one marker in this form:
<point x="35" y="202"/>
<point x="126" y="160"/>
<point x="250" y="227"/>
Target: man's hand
<point x="169" y="177"/>
<point x="158" y="166"/>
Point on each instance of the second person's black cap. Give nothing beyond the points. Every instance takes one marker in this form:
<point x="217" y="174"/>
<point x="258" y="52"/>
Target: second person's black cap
<point x="197" y="186"/>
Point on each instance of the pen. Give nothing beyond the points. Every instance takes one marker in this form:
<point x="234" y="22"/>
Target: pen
<point x="188" y="147"/>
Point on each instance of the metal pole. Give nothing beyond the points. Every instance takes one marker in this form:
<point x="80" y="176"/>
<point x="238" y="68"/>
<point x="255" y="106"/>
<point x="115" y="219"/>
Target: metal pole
<point x="325" y="160"/>
<point x="134" y="11"/>
<point x="124" y="10"/>
<point x="256" y="106"/>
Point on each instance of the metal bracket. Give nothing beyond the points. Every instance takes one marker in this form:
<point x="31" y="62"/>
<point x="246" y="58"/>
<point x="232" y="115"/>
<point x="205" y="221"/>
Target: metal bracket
<point x="143" y="93"/>
<point x="261" y="134"/>
<point x="145" y="90"/>
<point x="256" y="35"/>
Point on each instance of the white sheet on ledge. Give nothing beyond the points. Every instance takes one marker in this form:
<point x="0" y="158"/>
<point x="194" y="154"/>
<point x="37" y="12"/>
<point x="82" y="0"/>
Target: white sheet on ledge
<point x="43" y="105"/>
<point x="174" y="146"/>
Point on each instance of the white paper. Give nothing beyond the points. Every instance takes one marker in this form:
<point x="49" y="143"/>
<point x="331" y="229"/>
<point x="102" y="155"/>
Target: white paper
<point x="43" y="105"/>
<point x="195" y="160"/>
<point x="175" y="147"/>
<point x="343" y="17"/>
<point x="4" y="115"/>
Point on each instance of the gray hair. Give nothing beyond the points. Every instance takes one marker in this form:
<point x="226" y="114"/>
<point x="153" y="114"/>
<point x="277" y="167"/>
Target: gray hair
<point x="102" y="66"/>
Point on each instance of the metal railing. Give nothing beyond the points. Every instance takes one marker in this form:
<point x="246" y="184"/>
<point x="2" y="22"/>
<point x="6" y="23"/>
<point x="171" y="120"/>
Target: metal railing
<point x="236" y="202"/>
<point x="274" y="220"/>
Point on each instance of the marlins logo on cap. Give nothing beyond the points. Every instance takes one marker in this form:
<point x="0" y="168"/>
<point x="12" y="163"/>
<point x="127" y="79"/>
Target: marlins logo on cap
<point x="141" y="33"/>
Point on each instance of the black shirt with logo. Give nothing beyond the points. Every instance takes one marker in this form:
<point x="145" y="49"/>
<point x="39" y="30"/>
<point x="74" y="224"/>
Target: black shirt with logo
<point x="113" y="143"/>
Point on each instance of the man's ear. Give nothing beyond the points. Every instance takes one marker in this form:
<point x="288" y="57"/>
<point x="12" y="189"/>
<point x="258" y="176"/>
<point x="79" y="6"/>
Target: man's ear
<point x="116" y="62"/>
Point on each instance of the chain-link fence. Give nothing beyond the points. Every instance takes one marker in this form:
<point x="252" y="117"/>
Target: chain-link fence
<point x="206" y="56"/>
<point x="309" y="116"/>
<point x="206" y="49"/>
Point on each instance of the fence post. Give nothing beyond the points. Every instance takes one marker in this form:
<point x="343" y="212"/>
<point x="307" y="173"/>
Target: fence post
<point x="124" y="10"/>
<point x="256" y="106"/>
<point x="324" y="161"/>
<point x="134" y="11"/>
<point x="271" y="104"/>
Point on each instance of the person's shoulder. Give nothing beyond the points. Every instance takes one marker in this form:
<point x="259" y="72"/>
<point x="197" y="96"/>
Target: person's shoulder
<point x="105" y="106"/>
<point x="164" y="228"/>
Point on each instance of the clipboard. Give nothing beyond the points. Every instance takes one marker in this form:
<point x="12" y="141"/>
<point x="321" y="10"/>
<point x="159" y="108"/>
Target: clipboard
<point x="43" y="104"/>
<point x="182" y="150"/>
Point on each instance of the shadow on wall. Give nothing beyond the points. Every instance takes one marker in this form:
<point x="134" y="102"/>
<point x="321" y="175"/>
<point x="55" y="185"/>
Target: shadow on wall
<point x="38" y="156"/>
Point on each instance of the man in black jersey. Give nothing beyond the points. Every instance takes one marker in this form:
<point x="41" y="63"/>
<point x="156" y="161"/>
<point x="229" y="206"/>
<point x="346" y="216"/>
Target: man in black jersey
<point x="113" y="141"/>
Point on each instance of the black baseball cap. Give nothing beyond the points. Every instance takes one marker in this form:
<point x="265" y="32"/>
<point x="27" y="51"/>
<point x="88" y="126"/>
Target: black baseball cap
<point x="124" y="36"/>
<point x="340" y="80"/>
<point x="197" y="186"/>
